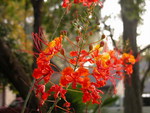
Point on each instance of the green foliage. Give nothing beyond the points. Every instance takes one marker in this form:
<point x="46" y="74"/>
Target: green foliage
<point x="110" y="100"/>
<point x="55" y="19"/>
<point x="12" y="31"/>
<point x="75" y="98"/>
<point x="4" y="29"/>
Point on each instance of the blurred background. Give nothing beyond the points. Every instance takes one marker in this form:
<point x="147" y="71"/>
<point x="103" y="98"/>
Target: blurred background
<point x="125" y="24"/>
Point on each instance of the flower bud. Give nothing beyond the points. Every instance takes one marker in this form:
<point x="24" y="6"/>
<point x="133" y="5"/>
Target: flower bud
<point x="103" y="36"/>
<point x="41" y="88"/>
<point x="101" y="43"/>
<point x="78" y="38"/>
<point x="62" y="52"/>
<point x="98" y="23"/>
<point x="90" y="33"/>
<point x="67" y="104"/>
<point x="90" y="47"/>
<point x="78" y="26"/>
<point x="63" y="32"/>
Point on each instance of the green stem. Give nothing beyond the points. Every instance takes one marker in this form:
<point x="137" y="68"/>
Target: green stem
<point x="58" y="24"/>
<point x="74" y="90"/>
<point x="27" y="98"/>
<point x="51" y="108"/>
<point x="78" y="56"/>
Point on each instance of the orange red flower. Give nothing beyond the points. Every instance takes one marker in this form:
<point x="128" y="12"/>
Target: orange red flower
<point x="128" y="61"/>
<point x="88" y="3"/>
<point x="43" y="60"/>
<point x="74" y="77"/>
<point x="104" y="65"/>
<point x="108" y="65"/>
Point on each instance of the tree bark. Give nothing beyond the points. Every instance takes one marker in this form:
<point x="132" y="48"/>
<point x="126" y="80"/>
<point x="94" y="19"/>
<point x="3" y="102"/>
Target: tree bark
<point x="132" y="99"/>
<point x="11" y="67"/>
<point x="145" y="77"/>
<point x="37" y="9"/>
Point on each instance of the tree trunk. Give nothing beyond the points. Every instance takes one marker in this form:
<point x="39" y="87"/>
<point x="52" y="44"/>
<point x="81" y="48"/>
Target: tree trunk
<point x="11" y="67"/>
<point x="132" y="100"/>
<point x="145" y="77"/>
<point x="37" y="7"/>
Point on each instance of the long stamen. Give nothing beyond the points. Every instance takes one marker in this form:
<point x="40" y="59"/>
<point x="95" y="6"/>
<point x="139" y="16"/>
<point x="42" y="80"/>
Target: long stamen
<point x="35" y="42"/>
<point x="37" y="36"/>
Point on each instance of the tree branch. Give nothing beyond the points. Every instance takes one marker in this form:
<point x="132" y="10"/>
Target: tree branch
<point x="113" y="41"/>
<point x="13" y="70"/>
<point x="142" y="50"/>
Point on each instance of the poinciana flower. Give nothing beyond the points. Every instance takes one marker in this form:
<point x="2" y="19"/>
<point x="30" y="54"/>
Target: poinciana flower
<point x="88" y="3"/>
<point x="91" y="94"/>
<point x="108" y="66"/>
<point x="105" y="66"/>
<point x="59" y="91"/>
<point x="80" y="57"/>
<point x="44" y="69"/>
<point x="43" y="60"/>
<point x="128" y="61"/>
<point x="41" y="94"/>
<point x="74" y="77"/>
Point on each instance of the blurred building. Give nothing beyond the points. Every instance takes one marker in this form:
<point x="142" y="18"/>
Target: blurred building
<point x="6" y="96"/>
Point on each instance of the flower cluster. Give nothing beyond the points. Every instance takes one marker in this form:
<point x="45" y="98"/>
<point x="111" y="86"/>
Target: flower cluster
<point x="44" y="71"/>
<point x="108" y="65"/>
<point x="88" y="3"/>
<point x="43" y="61"/>
<point x="105" y="65"/>
<point x="128" y="61"/>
